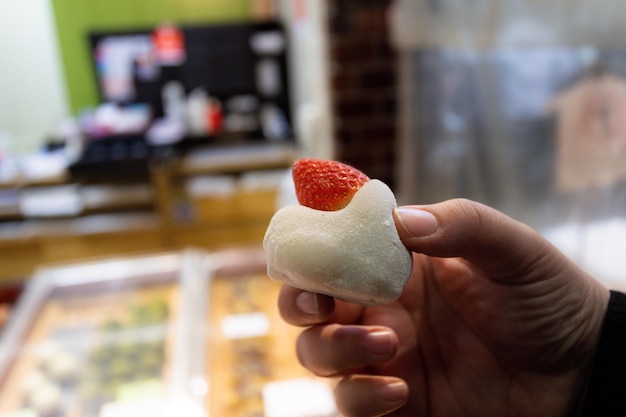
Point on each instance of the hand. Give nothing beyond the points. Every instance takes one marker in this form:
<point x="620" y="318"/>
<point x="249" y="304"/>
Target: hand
<point x="493" y="322"/>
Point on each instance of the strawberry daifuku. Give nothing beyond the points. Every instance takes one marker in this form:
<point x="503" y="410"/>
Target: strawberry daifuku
<point x="342" y="240"/>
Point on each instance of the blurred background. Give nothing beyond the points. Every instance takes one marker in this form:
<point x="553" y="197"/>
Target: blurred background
<point x="144" y="146"/>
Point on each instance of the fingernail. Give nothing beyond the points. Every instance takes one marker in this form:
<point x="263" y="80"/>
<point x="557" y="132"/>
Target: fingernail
<point x="393" y="392"/>
<point x="417" y="222"/>
<point x="379" y="343"/>
<point x="307" y="303"/>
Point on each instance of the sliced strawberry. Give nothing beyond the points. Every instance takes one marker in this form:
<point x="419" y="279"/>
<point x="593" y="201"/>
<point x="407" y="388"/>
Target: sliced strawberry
<point x="326" y="185"/>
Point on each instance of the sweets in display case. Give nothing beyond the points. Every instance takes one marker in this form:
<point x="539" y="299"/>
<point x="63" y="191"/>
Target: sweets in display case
<point x="191" y="333"/>
<point x="251" y="360"/>
<point x="98" y="339"/>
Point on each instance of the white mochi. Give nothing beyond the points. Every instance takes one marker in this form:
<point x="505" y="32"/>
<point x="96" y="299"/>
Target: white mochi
<point x="354" y="254"/>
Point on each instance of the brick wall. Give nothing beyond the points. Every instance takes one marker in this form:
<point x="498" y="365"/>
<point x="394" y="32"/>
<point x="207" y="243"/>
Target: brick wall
<point x="363" y="86"/>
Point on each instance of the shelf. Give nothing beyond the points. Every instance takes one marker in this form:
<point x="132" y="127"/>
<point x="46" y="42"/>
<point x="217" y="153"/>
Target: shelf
<point x="10" y="214"/>
<point x="26" y="245"/>
<point x="179" y="205"/>
<point x="42" y="182"/>
<point x="95" y="224"/>
<point x="235" y="159"/>
<point x="63" y="201"/>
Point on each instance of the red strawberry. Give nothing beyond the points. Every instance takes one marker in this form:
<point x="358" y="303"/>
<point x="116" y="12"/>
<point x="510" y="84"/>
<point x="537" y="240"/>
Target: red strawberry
<point x="326" y="185"/>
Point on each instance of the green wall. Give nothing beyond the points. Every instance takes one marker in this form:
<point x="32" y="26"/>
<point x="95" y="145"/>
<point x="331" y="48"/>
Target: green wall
<point x="76" y="18"/>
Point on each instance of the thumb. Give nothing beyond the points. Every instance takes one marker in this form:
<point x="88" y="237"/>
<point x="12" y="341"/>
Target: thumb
<point x="485" y="237"/>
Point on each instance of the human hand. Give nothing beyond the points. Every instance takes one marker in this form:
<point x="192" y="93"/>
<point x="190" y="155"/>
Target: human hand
<point x="494" y="321"/>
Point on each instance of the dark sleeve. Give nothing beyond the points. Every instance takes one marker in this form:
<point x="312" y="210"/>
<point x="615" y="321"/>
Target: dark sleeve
<point x="606" y="393"/>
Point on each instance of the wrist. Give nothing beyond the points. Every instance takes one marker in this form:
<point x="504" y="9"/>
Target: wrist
<point x="601" y="382"/>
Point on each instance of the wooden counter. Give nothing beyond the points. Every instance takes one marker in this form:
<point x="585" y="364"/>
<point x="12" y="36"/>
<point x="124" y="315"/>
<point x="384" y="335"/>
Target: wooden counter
<point x="171" y="217"/>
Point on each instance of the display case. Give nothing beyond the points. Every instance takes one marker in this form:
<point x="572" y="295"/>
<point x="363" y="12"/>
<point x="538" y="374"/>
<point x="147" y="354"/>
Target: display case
<point x="189" y="333"/>
<point x="103" y="338"/>
<point x="250" y="363"/>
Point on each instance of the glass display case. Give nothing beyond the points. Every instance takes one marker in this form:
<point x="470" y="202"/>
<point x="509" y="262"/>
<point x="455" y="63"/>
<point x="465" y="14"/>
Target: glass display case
<point x="101" y="338"/>
<point x="189" y="333"/>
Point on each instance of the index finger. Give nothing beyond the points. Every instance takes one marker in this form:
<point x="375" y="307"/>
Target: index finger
<point x="305" y="308"/>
